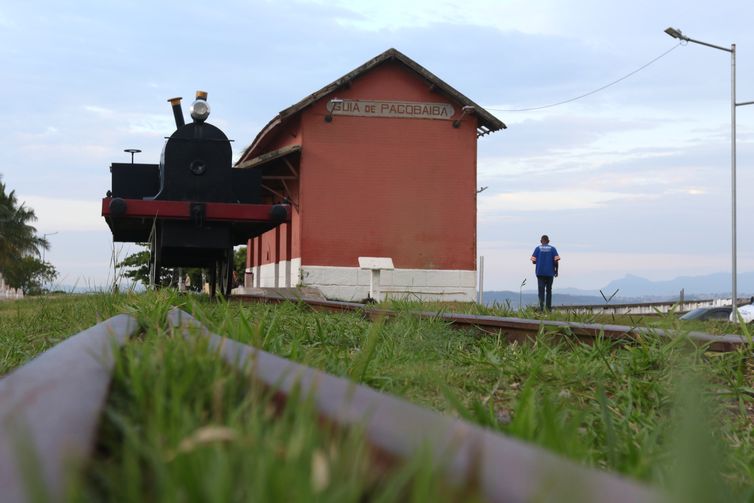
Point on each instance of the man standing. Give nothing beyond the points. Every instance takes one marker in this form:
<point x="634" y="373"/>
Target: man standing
<point x="546" y="259"/>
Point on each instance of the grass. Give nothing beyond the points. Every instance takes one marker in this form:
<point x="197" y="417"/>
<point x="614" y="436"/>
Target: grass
<point x="610" y="406"/>
<point x="35" y="324"/>
<point x="658" y="410"/>
<point x="181" y="426"/>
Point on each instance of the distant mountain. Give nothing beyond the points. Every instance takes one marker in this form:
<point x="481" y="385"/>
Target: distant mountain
<point x="717" y="284"/>
<point x="634" y="289"/>
<point x="530" y="298"/>
<point x="578" y="292"/>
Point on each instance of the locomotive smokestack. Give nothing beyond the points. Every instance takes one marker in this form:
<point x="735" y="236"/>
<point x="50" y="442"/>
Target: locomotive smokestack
<point x="177" y="111"/>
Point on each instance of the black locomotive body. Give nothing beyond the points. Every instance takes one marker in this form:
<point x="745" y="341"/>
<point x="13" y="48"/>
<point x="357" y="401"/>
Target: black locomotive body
<point x="193" y="207"/>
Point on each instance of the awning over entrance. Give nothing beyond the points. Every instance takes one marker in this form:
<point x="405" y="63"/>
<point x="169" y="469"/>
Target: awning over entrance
<point x="280" y="172"/>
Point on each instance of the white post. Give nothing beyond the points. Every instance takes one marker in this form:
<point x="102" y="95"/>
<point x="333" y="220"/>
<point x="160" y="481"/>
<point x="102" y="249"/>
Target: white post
<point x="375" y="265"/>
<point x="374" y="285"/>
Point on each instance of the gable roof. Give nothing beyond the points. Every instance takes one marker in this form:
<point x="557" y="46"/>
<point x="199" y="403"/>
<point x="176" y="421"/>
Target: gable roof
<point x="488" y="123"/>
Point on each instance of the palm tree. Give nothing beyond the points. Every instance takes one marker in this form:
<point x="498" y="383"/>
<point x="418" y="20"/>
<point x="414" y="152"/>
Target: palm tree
<point x="18" y="238"/>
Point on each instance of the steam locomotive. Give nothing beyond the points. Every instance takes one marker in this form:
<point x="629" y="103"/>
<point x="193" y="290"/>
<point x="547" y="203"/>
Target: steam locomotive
<point x="192" y="207"/>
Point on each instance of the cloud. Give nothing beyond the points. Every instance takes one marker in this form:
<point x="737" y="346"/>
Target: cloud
<point x="5" y="22"/>
<point x="60" y="215"/>
<point x="85" y="258"/>
<point x="101" y="111"/>
<point x="549" y="201"/>
<point x="135" y="123"/>
<point x="392" y="14"/>
<point x="150" y="124"/>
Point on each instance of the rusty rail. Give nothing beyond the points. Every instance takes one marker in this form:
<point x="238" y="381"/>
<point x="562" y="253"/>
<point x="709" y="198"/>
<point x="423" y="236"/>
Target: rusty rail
<point x="519" y="329"/>
<point x="503" y="469"/>
<point x="49" y="410"/>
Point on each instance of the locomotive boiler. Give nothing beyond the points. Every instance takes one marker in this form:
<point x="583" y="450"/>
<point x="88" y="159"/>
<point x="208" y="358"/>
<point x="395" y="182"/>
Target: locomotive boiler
<point x="193" y="206"/>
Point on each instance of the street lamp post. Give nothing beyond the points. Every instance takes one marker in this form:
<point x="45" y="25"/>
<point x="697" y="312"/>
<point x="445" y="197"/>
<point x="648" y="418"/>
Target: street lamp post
<point x="680" y="36"/>
<point x="44" y="236"/>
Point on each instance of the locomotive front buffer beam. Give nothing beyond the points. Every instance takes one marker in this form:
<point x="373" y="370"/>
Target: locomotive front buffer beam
<point x="134" y="220"/>
<point x="191" y="234"/>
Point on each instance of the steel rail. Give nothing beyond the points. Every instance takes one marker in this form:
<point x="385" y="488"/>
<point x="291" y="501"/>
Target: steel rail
<point x="49" y="410"/>
<point x="520" y="329"/>
<point x="501" y="468"/>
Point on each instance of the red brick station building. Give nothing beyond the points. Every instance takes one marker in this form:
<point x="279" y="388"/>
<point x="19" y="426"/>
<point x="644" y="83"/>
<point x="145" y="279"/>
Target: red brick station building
<point x="381" y="163"/>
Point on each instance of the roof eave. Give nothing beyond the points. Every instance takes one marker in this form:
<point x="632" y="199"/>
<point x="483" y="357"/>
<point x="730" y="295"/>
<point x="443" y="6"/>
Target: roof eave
<point x="488" y="123"/>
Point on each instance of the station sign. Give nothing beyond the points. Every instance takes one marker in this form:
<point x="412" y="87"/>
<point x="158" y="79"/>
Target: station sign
<point x="395" y="109"/>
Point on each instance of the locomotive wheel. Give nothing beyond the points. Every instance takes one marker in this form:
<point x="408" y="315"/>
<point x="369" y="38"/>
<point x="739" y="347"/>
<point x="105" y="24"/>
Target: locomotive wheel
<point x="225" y="273"/>
<point x="212" y="280"/>
<point x="221" y="275"/>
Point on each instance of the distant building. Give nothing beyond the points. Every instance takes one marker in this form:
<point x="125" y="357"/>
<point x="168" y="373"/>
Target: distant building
<point x="380" y="163"/>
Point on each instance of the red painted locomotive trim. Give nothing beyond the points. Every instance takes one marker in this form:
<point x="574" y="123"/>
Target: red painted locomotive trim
<point x="181" y="210"/>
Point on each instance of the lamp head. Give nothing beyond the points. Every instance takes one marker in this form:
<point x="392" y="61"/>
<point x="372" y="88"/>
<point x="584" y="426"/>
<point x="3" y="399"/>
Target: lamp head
<point x="468" y="109"/>
<point x="675" y="33"/>
<point x="199" y="110"/>
<point x="331" y="105"/>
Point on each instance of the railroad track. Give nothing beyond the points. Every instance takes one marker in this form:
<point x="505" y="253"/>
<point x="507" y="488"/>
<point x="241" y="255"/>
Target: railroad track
<point x="56" y="401"/>
<point x="518" y="329"/>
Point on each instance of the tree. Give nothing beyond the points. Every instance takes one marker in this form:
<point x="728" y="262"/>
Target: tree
<point x="239" y="263"/>
<point x="19" y="246"/>
<point x="30" y="275"/>
<point x="136" y="267"/>
<point x="17" y="236"/>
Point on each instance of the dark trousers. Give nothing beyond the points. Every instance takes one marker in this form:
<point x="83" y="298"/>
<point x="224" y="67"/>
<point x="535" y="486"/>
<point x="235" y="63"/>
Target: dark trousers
<point x="544" y="283"/>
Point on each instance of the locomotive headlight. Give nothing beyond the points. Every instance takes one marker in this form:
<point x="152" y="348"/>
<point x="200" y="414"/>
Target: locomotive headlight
<point x="199" y="110"/>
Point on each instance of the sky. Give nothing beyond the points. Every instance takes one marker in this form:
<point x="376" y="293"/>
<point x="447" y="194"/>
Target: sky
<point x="631" y="179"/>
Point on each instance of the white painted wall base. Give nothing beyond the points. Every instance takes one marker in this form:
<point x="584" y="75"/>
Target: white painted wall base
<point x="284" y="274"/>
<point x="352" y="283"/>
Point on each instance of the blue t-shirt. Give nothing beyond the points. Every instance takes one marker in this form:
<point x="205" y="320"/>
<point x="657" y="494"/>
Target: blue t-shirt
<point x="545" y="255"/>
